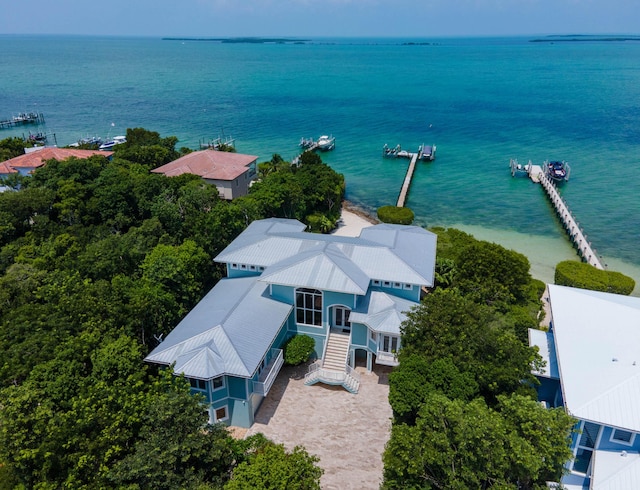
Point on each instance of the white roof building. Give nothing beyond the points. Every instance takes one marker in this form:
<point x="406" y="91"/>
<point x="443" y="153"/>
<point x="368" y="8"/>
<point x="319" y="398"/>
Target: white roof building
<point x="593" y="353"/>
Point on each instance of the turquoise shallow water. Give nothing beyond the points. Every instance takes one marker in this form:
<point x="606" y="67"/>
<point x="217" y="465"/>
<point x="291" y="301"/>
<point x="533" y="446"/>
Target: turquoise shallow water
<point x="482" y="101"/>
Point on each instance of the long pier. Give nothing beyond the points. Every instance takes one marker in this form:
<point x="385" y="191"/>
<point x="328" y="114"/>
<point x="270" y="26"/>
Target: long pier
<point x="404" y="190"/>
<point x="571" y="226"/>
<point x="23" y="118"/>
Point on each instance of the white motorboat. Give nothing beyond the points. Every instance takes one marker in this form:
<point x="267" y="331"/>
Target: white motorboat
<point x="117" y="140"/>
<point x="326" y="143"/>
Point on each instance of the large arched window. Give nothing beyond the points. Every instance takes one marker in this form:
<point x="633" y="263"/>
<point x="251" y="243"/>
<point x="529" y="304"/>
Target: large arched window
<point x="309" y="307"/>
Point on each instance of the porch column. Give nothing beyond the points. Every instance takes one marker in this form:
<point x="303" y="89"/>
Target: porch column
<point x="369" y="361"/>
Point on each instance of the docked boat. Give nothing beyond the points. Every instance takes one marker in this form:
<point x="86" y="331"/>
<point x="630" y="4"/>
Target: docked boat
<point x="88" y="141"/>
<point x="326" y="143"/>
<point x="557" y="171"/>
<point x="427" y="152"/>
<point x="108" y="145"/>
<point x="388" y="152"/>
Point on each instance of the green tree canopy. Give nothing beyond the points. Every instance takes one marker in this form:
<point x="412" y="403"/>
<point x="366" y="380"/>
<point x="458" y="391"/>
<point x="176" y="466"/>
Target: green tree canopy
<point x="271" y="467"/>
<point x="458" y="445"/>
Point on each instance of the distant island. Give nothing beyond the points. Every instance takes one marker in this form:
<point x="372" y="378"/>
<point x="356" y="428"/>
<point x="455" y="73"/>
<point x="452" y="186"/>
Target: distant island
<point x="247" y="40"/>
<point x="573" y="38"/>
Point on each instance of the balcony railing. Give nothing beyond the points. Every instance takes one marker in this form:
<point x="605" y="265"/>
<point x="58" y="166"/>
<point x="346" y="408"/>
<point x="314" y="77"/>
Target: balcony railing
<point x="387" y="359"/>
<point x="269" y="373"/>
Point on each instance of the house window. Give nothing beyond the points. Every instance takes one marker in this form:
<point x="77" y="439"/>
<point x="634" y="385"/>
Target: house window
<point x="376" y="282"/>
<point x="622" y="437"/>
<point x="243" y="266"/>
<point x="261" y="268"/>
<point x="373" y="335"/>
<point x="252" y="267"/>
<point x="221" y="414"/>
<point x="198" y="384"/>
<point x="397" y="285"/>
<point x="234" y="266"/>
<point x="218" y="383"/>
<point x="309" y="307"/>
<point x="585" y="447"/>
<point x="408" y="286"/>
<point x="387" y="284"/>
<point x="389" y="344"/>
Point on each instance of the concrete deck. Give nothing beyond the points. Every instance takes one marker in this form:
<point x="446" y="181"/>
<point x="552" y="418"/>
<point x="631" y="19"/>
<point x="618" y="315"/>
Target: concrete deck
<point x="347" y="432"/>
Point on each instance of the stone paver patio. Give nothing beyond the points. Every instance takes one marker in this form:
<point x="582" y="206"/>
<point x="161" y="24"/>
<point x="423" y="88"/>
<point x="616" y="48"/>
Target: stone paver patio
<point x="347" y="432"/>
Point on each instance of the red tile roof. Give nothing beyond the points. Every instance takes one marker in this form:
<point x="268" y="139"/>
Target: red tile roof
<point x="6" y="169"/>
<point x="37" y="158"/>
<point x="209" y="164"/>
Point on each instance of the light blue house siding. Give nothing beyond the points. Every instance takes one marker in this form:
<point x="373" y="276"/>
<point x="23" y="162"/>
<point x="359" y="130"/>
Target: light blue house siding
<point x="236" y="332"/>
<point x="401" y="290"/>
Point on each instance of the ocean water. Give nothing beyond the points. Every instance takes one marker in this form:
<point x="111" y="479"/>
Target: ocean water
<point x="481" y="101"/>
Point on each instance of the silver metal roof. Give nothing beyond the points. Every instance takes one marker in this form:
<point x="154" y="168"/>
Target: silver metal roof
<point x="597" y="339"/>
<point x="381" y="312"/>
<point x="323" y="267"/>
<point x="396" y="253"/>
<point x="615" y="470"/>
<point x="228" y="331"/>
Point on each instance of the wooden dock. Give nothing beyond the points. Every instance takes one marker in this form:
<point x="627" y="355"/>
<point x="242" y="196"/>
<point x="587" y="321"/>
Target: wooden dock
<point x="571" y="226"/>
<point x="404" y="191"/>
<point x="23" y="118"/>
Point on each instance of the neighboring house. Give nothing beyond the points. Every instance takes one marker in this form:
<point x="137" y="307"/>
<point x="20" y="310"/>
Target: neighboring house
<point x="27" y="163"/>
<point x="6" y="170"/>
<point x="592" y="355"/>
<point x="231" y="173"/>
<point x="349" y="294"/>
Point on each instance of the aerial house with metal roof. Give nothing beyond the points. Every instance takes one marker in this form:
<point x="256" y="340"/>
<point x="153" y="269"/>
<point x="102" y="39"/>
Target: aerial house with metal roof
<point x="592" y="354"/>
<point x="349" y="294"/>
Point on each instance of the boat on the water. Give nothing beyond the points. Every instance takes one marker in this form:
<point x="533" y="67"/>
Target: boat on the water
<point x="427" y="152"/>
<point x="326" y="143"/>
<point x="557" y="171"/>
<point x="108" y="145"/>
<point x="89" y="140"/>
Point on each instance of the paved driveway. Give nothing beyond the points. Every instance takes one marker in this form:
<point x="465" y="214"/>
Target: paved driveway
<point x="347" y="432"/>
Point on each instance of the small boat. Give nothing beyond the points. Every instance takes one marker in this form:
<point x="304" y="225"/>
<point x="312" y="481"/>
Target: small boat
<point x="37" y="137"/>
<point x="557" y="170"/>
<point x="117" y="140"/>
<point x="326" y="143"/>
<point x="426" y="152"/>
<point x="403" y="154"/>
<point x="391" y="152"/>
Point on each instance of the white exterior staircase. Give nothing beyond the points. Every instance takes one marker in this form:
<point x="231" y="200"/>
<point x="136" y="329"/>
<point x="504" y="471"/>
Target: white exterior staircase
<point x="333" y="369"/>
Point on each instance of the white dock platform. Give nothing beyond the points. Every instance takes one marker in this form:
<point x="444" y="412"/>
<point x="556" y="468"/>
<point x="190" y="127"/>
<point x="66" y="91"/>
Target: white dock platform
<point x="571" y="226"/>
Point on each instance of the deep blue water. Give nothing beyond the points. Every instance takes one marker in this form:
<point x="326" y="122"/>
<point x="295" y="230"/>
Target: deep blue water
<point x="481" y="101"/>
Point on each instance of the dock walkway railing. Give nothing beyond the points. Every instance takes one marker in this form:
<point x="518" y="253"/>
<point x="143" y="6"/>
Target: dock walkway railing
<point x="572" y="227"/>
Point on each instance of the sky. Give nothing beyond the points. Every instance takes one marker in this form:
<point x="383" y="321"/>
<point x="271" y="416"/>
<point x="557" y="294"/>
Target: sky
<point x="319" y="18"/>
